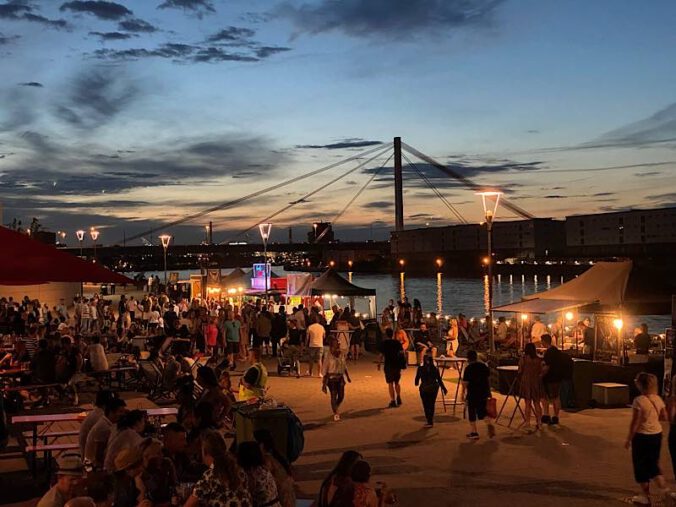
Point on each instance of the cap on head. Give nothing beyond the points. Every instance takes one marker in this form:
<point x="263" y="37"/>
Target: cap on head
<point x="70" y="464"/>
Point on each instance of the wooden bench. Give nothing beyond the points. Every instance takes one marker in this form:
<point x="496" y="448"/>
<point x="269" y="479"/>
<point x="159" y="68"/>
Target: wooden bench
<point x="30" y="387"/>
<point x="53" y="434"/>
<point x="47" y="450"/>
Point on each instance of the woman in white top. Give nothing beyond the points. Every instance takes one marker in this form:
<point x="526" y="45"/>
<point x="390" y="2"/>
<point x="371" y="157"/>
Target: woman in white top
<point x="645" y="436"/>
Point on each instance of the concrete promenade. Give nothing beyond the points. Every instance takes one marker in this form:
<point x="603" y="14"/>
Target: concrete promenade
<point x="582" y="462"/>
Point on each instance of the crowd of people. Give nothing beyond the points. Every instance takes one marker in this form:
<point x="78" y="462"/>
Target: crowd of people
<point x="189" y="461"/>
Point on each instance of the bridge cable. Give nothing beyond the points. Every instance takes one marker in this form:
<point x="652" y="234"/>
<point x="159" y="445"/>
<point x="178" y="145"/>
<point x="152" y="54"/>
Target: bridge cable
<point x="240" y="200"/>
<point x="463" y="179"/>
<point x="354" y="198"/>
<point x="306" y="196"/>
<point x="436" y="191"/>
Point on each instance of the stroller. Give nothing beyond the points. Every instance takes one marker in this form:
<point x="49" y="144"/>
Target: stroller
<point x="286" y="362"/>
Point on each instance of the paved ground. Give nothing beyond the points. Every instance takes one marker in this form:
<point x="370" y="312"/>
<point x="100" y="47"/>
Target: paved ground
<point x="581" y="463"/>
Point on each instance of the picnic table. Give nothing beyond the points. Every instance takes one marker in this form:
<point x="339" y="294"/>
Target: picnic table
<point x="114" y="374"/>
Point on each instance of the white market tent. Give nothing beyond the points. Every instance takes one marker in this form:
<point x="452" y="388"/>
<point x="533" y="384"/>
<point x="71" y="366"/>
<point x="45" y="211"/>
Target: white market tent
<point x="600" y="289"/>
<point x="601" y="286"/>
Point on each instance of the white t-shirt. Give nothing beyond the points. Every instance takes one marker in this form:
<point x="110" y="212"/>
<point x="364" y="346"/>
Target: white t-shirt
<point x="650" y="407"/>
<point x="316" y="335"/>
<point x="537" y="331"/>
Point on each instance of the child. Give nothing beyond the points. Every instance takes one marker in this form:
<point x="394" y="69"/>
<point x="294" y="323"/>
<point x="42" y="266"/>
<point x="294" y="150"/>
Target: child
<point x="645" y="436"/>
<point x="335" y="373"/>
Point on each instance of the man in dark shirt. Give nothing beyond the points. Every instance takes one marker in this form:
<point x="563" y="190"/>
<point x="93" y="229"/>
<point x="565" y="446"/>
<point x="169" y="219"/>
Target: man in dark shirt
<point x="423" y="343"/>
<point x="43" y="366"/>
<point x="392" y="355"/>
<point x="642" y="340"/>
<point x="554" y="371"/>
<point x="477" y="391"/>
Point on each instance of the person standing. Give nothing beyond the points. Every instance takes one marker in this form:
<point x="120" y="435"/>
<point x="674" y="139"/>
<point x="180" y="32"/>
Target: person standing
<point x="393" y="357"/>
<point x="263" y="328"/>
<point x="315" y="343"/>
<point x="335" y="373"/>
<point x="537" y="330"/>
<point x="476" y="392"/>
<point x="278" y="329"/>
<point x="553" y="373"/>
<point x="430" y="381"/>
<point x="643" y="340"/>
<point x="645" y="436"/>
<point x="231" y="328"/>
<point x="530" y="384"/>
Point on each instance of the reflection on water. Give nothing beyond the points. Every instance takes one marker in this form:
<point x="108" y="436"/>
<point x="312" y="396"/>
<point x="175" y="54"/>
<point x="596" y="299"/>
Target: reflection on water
<point x="535" y="282"/>
<point x="402" y="286"/>
<point x="440" y="296"/>
<point x="487" y="295"/>
<point x="549" y="282"/>
<point x="349" y="276"/>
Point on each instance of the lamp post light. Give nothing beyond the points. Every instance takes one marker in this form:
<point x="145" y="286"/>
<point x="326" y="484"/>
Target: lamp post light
<point x="265" y="230"/>
<point x="94" y="235"/>
<point x="439" y="263"/>
<point x="165" y="239"/>
<point x="489" y="215"/>
<point x="80" y="237"/>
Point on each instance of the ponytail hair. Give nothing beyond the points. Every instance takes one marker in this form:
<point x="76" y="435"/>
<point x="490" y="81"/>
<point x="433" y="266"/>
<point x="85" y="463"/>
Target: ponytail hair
<point x="226" y="469"/>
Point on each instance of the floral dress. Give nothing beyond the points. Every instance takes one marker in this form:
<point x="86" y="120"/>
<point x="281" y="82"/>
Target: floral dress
<point x="213" y="493"/>
<point x="263" y="488"/>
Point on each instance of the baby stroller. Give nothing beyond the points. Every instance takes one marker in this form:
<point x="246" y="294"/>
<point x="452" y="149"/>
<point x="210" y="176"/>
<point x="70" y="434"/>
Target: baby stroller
<point x="286" y="362"/>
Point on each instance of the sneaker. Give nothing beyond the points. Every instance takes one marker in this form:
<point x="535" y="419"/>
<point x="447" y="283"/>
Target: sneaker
<point x="428" y="425"/>
<point x="491" y="431"/>
<point x="640" y="499"/>
<point x="393" y="404"/>
<point x="473" y="436"/>
<point x="545" y="419"/>
<point x="398" y="400"/>
<point x="336" y="417"/>
<point x="555" y="420"/>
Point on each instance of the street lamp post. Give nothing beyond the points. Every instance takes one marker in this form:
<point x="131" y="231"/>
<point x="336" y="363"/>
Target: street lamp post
<point x="165" y="238"/>
<point x="80" y="237"/>
<point x="94" y="235"/>
<point x="265" y="230"/>
<point x="489" y="215"/>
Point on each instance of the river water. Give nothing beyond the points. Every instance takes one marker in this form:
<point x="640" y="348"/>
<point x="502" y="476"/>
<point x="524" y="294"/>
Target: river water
<point x="450" y="296"/>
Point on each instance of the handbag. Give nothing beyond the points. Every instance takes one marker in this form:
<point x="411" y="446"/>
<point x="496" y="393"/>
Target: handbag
<point x="492" y="408"/>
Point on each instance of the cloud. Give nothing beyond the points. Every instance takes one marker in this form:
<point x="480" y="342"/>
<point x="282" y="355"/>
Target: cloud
<point x="387" y="19"/>
<point x="266" y="51"/>
<point x="182" y="53"/>
<point x="232" y="34"/>
<point x="108" y="36"/>
<point x="646" y="174"/>
<point x="346" y="143"/>
<point x="378" y="205"/>
<point x="32" y="84"/>
<point x="137" y="26"/>
<point x="657" y="128"/>
<point x="197" y="7"/>
<point x="96" y="96"/>
<point x="668" y="198"/>
<point x="7" y="39"/>
<point x="99" y="8"/>
<point x="18" y="10"/>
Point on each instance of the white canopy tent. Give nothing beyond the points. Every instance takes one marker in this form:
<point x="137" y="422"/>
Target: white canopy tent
<point x="600" y="289"/>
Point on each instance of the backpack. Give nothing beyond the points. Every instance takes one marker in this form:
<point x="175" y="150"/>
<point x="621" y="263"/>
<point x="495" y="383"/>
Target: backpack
<point x="295" y="438"/>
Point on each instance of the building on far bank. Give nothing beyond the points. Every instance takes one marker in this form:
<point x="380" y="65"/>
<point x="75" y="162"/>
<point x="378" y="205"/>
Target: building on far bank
<point x="623" y="233"/>
<point x="526" y="239"/>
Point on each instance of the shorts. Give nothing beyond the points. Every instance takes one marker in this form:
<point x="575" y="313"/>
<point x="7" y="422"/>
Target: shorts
<point x="258" y="341"/>
<point x="645" y="456"/>
<point x="476" y="409"/>
<point x="316" y="354"/>
<point x="552" y="390"/>
<point x="232" y="347"/>
<point x="392" y="375"/>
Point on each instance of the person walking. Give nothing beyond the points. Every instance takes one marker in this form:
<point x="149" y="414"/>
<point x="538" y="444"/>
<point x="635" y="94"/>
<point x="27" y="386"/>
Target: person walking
<point x="531" y="389"/>
<point x="231" y="328"/>
<point x="315" y="342"/>
<point x="279" y="329"/>
<point x="554" y="371"/>
<point x="393" y="357"/>
<point x="476" y="392"/>
<point x="645" y="436"/>
<point x="335" y="373"/>
<point x="429" y="380"/>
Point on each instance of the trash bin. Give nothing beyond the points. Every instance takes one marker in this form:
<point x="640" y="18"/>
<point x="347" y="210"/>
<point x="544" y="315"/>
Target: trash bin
<point x="250" y="418"/>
